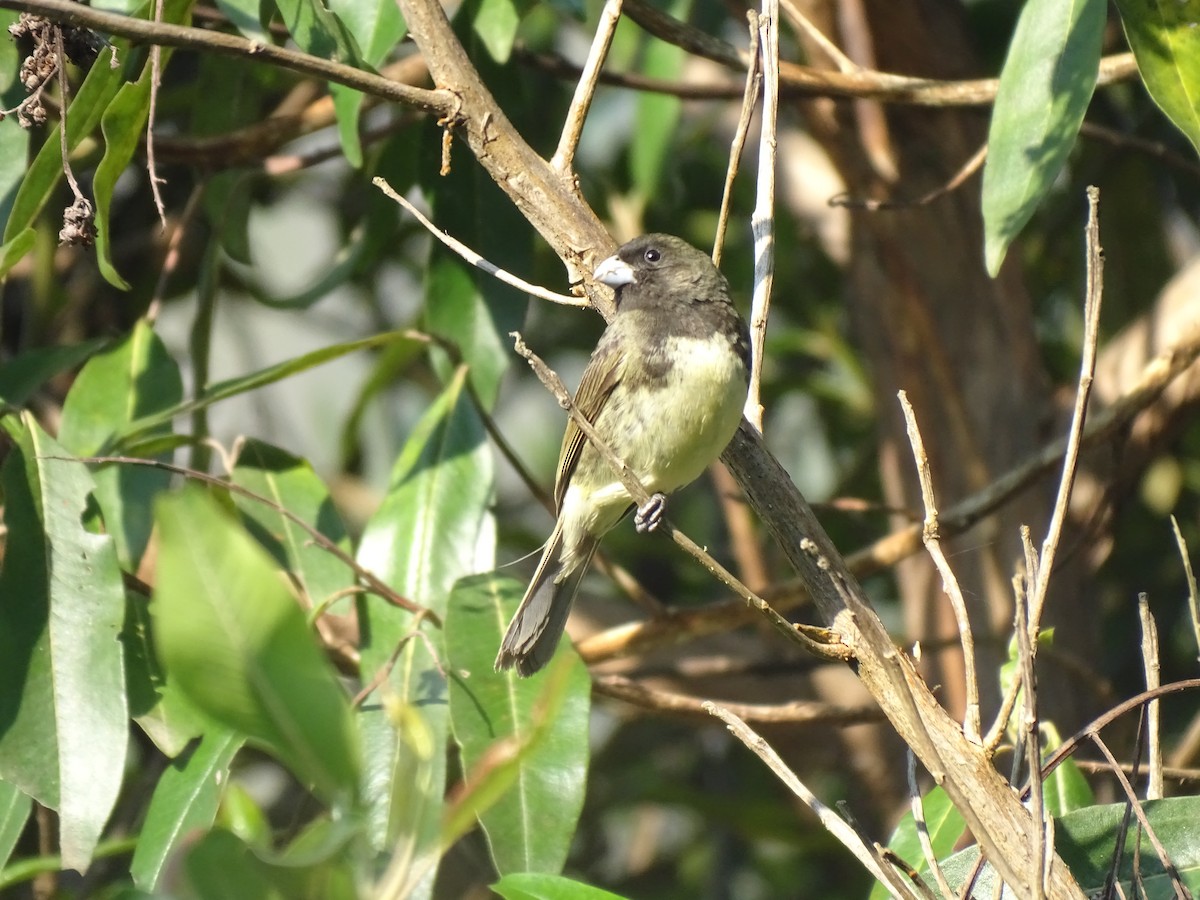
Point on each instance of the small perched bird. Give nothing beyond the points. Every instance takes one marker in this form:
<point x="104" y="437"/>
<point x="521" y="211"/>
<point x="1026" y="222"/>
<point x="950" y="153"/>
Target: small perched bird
<point x="664" y="389"/>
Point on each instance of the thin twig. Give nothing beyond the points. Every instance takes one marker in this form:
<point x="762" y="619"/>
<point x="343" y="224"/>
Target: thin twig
<point x="801" y="22"/>
<point x="749" y="93"/>
<point x="1150" y="662"/>
<point x="474" y="258"/>
<point x="969" y="168"/>
<point x="65" y="88"/>
<point x="1069" y="746"/>
<point x="797" y="712"/>
<point x="172" y="256"/>
<point x="833" y="823"/>
<point x="585" y="89"/>
<point x="1087" y="369"/>
<point x="155" y="84"/>
<point x="1193" y="600"/>
<point x="1040" y="835"/>
<point x="1181" y="893"/>
<point x="762" y="222"/>
<point x="918" y="811"/>
<point x="996" y="733"/>
<point x="639" y="495"/>
<point x="933" y="544"/>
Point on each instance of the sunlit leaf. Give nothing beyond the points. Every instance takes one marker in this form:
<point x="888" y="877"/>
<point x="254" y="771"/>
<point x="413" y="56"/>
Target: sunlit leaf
<point x="1045" y="87"/>
<point x="134" y="378"/>
<point x="530" y="886"/>
<point x="1165" y="39"/>
<point x="63" y="717"/>
<point x="433" y="527"/>
<point x="184" y="802"/>
<point x="945" y="825"/>
<point x="236" y="642"/>
<point x="536" y="808"/>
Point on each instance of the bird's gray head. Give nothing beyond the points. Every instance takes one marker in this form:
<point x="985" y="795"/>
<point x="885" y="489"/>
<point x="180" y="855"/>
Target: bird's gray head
<point x="661" y="264"/>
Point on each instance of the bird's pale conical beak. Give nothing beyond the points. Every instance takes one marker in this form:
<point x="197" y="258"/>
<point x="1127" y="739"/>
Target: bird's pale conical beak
<point x="614" y="272"/>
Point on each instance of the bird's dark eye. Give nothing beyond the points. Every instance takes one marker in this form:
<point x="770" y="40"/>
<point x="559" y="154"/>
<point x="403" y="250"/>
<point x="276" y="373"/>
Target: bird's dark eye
<point x="652" y="255"/>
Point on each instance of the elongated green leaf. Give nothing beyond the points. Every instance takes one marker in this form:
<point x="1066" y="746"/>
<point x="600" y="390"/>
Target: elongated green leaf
<point x="377" y="27"/>
<point x="657" y="114"/>
<point x="14" y="810"/>
<point x="63" y="716"/>
<point x="433" y="527"/>
<point x="161" y="710"/>
<point x="529" y="886"/>
<point x="24" y="374"/>
<point x="946" y="826"/>
<point x="221" y="867"/>
<point x="531" y="827"/>
<point x="1045" y="87"/>
<point x="236" y="644"/>
<point x="136" y="377"/>
<point x="317" y="30"/>
<point x="122" y="126"/>
<point x="223" y="390"/>
<point x="184" y="801"/>
<point x="1087" y="838"/>
<point x="1166" y="43"/>
<point x="290" y="483"/>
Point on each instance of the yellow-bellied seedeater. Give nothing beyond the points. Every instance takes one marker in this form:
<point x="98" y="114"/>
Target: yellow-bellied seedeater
<point x="665" y="389"/>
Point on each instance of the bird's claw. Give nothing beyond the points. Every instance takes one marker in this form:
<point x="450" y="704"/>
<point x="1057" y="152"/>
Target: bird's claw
<point x="650" y="515"/>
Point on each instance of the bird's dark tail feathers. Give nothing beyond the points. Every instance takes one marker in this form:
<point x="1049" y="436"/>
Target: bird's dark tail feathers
<point x="532" y="635"/>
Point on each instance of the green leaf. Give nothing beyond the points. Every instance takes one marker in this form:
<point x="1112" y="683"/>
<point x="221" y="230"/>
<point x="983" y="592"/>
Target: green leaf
<point x="529" y="886"/>
<point x="657" y="117"/>
<point x="531" y="827"/>
<point x="221" y="867"/>
<point x="496" y="23"/>
<point x="291" y="484"/>
<point x="377" y="28"/>
<point x="134" y="378"/>
<point x="223" y="390"/>
<point x="246" y="16"/>
<point x="22" y="376"/>
<point x="63" y="717"/>
<point x="467" y="307"/>
<point x="1044" y="90"/>
<point x="236" y="643"/>
<point x="14" y="811"/>
<point x="945" y="825"/>
<point x="1085" y="840"/>
<point x="317" y="30"/>
<point x="1166" y="44"/>
<point x="166" y="716"/>
<point x="122" y="125"/>
<point x="184" y="802"/>
<point x="433" y="527"/>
